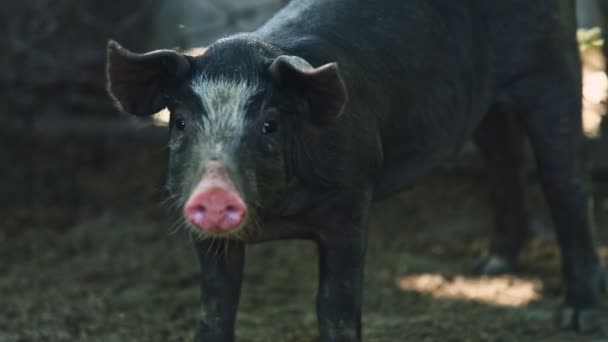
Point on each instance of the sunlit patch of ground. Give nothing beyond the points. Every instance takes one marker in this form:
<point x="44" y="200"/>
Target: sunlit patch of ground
<point x="504" y="291"/>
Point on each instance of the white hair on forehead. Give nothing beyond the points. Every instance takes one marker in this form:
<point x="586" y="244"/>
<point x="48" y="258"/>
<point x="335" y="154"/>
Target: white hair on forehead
<point x="225" y="103"/>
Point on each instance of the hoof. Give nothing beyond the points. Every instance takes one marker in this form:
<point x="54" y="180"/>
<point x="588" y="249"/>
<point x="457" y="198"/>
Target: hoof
<point x="493" y="265"/>
<point x="583" y="320"/>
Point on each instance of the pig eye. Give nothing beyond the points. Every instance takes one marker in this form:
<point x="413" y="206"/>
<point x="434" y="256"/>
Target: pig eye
<point x="269" y="127"/>
<point x="180" y="124"/>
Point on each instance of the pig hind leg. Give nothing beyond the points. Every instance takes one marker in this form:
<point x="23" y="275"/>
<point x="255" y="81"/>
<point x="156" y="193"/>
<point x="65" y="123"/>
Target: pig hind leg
<point x="549" y="107"/>
<point x="500" y="140"/>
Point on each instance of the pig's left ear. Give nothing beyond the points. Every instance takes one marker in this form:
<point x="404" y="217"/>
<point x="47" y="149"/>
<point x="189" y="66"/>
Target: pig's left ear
<point x="138" y="82"/>
<point x="322" y="87"/>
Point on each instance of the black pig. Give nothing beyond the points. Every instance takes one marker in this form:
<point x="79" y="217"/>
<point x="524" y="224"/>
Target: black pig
<point x="292" y="130"/>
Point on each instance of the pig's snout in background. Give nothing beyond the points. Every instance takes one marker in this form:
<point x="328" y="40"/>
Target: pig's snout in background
<point x="215" y="205"/>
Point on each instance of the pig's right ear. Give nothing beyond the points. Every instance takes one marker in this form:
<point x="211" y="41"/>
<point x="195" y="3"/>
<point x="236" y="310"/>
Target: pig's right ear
<point x="138" y="83"/>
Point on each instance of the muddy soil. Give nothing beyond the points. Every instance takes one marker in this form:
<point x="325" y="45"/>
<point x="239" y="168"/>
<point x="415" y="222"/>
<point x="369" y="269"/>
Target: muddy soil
<point x="89" y="252"/>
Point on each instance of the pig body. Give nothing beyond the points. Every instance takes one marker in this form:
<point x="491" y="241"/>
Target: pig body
<point x="402" y="132"/>
<point x="291" y="131"/>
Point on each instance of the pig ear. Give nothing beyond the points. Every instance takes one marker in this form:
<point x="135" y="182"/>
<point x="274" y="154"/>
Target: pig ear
<point x="323" y="87"/>
<point x="138" y="82"/>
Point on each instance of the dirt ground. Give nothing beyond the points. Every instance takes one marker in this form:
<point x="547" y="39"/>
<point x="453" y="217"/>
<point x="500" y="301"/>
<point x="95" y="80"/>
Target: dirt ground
<point x="89" y="253"/>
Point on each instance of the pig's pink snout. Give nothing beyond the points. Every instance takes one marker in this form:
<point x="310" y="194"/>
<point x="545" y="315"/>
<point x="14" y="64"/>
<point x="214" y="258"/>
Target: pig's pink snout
<point x="215" y="205"/>
<point x="216" y="209"/>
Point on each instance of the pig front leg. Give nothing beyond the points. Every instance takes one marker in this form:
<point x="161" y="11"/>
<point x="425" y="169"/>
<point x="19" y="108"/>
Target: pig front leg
<point x="221" y="270"/>
<point x="342" y="241"/>
<point x="340" y="287"/>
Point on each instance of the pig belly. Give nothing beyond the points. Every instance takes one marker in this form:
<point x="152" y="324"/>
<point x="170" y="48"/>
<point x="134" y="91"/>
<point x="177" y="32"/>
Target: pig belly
<point x="405" y="169"/>
<point x="419" y="143"/>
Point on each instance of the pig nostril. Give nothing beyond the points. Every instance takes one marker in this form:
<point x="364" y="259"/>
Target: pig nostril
<point x="215" y="210"/>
